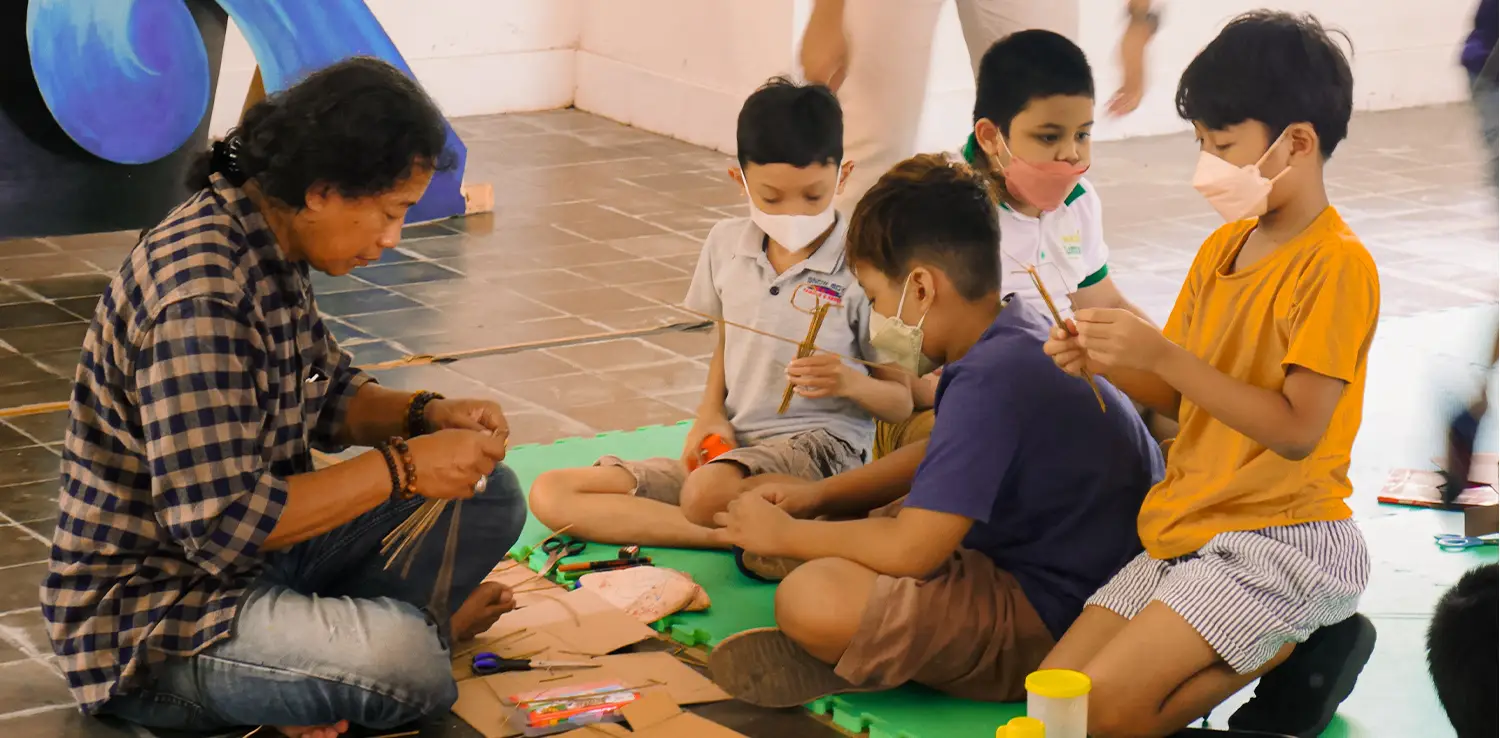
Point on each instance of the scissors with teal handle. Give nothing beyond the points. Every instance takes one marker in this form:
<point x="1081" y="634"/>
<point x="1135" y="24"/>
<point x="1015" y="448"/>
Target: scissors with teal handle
<point x="1451" y="542"/>
<point x="558" y="549"/>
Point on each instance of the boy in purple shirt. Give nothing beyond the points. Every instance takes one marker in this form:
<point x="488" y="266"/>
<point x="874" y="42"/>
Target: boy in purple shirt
<point x="1020" y="505"/>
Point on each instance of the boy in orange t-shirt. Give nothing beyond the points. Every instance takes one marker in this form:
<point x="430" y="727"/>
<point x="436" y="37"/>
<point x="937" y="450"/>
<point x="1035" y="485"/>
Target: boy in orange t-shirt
<point x="1251" y="555"/>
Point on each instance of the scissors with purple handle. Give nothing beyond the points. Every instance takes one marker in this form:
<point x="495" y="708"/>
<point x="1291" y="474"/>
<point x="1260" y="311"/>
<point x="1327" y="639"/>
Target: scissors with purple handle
<point x="488" y="663"/>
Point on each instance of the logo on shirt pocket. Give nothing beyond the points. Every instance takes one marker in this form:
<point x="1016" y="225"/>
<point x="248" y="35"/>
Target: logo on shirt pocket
<point x="1073" y="244"/>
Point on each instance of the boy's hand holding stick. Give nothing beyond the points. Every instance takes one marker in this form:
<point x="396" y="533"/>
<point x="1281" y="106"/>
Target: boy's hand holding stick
<point x="1036" y="279"/>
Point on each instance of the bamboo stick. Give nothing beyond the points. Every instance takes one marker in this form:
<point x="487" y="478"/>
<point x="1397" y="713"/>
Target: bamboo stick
<point x="1036" y="279"/>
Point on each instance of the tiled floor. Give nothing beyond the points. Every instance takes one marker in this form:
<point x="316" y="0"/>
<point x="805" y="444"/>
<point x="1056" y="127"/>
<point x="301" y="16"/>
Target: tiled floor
<point x="564" y="300"/>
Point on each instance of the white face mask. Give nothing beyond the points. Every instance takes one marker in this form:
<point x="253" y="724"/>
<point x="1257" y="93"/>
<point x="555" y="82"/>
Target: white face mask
<point x="793" y="232"/>
<point x="897" y="343"/>
<point x="1235" y="192"/>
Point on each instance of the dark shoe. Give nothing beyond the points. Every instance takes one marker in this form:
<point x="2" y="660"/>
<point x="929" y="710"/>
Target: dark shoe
<point x="764" y="568"/>
<point x="1300" y="696"/>
<point x="764" y="667"/>
<point x="1462" y="431"/>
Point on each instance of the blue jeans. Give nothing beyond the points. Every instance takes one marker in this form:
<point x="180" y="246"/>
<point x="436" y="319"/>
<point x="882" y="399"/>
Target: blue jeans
<point x="328" y="634"/>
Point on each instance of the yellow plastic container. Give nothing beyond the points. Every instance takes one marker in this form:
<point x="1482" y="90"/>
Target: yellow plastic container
<point x="1021" y="727"/>
<point x="1060" y="699"/>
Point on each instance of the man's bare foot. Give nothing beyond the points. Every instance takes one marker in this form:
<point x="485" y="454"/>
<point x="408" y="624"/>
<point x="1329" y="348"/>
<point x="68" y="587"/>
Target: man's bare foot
<point x="488" y="602"/>
<point x="315" y="731"/>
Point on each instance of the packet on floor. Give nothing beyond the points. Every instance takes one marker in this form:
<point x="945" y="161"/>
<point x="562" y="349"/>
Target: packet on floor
<point x="1423" y="488"/>
<point x="646" y="593"/>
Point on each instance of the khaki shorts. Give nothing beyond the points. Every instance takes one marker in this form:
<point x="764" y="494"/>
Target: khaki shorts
<point x="967" y="630"/>
<point x="812" y="455"/>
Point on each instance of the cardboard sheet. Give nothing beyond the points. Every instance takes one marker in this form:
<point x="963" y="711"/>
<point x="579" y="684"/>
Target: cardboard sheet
<point x="656" y="716"/>
<point x="555" y="625"/>
<point x="483" y="702"/>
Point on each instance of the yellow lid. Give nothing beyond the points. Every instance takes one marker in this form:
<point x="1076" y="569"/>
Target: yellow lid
<point x="1058" y="684"/>
<point x="1021" y="727"/>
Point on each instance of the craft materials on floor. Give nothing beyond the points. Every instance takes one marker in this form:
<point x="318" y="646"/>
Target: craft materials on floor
<point x="1425" y="487"/>
<point x="647" y="594"/>
<point x="495" y="705"/>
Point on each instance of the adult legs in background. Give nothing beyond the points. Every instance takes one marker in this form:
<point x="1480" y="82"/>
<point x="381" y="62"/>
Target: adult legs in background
<point x="987" y="21"/>
<point x="328" y="634"/>
<point x="890" y="52"/>
<point x="1464" y="426"/>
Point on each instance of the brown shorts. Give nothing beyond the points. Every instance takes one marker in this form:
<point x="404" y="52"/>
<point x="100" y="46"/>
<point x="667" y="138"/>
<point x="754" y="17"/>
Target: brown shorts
<point x="811" y="455"/>
<point x="967" y="630"/>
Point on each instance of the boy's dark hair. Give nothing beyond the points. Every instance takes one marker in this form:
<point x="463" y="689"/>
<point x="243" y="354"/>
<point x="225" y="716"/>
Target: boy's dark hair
<point x="1026" y="66"/>
<point x="787" y="123"/>
<point x="360" y="125"/>
<point x="1462" y="653"/>
<point x="1274" y="67"/>
<point x="933" y="210"/>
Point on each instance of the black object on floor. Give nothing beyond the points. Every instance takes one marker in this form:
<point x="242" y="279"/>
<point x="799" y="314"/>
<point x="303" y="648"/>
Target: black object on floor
<point x="1227" y="733"/>
<point x="739" y="561"/>
<point x="1299" y="698"/>
<point x="1462" y="431"/>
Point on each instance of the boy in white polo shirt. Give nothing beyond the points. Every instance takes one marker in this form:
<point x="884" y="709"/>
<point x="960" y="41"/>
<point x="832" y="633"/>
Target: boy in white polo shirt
<point x="764" y="271"/>
<point x="1033" y="118"/>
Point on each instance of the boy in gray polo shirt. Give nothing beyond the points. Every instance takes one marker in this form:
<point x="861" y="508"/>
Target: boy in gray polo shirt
<point x="765" y="271"/>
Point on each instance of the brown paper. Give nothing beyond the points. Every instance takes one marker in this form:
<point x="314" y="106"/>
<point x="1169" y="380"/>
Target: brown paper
<point x="560" y="626"/>
<point x="478" y="707"/>
<point x="656" y="716"/>
<point x="1481" y="521"/>
<point x="648" y="673"/>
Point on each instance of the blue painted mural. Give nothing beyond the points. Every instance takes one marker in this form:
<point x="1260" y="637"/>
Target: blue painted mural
<point x="128" y="79"/>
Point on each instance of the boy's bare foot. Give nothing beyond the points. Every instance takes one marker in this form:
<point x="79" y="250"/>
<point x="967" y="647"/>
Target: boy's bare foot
<point x="315" y="731"/>
<point x="488" y="602"/>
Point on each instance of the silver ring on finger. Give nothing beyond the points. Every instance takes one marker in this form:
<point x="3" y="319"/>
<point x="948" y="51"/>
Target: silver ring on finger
<point x="481" y="485"/>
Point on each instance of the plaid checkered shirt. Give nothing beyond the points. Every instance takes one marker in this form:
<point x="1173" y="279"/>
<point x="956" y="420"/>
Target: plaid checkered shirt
<point x="206" y="378"/>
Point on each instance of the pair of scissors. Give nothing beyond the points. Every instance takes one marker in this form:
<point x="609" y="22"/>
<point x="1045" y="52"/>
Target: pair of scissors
<point x="558" y="549"/>
<point x="487" y="663"/>
<point x="1450" y="542"/>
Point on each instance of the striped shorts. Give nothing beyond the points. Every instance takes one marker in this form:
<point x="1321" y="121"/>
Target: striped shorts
<point x="1248" y="593"/>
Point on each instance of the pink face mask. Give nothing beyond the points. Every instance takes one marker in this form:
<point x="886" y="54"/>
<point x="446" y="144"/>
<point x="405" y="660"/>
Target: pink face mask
<point x="1235" y="192"/>
<point x="1045" y="185"/>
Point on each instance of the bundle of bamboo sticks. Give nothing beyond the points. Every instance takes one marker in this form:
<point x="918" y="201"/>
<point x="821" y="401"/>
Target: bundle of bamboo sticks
<point x="406" y="539"/>
<point x="805" y="349"/>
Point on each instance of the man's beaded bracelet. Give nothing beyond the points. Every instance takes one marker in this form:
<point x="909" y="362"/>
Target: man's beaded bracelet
<point x="395" y="469"/>
<point x="404" y="451"/>
<point x="416" y="413"/>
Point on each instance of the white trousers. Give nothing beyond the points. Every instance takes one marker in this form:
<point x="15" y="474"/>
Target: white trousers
<point x="890" y="52"/>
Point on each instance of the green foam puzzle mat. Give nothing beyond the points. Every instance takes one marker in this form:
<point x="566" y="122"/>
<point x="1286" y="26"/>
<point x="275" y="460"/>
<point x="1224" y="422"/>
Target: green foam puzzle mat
<point x="1419" y="367"/>
<point x="739" y="603"/>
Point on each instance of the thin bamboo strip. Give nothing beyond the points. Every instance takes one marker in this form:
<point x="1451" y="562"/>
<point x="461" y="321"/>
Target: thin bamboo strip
<point x="1036" y="279"/>
<point x="804" y="350"/>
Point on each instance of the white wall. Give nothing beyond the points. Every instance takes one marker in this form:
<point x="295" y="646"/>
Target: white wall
<point x="476" y="57"/>
<point x="682" y="67"/>
<point x="1405" y="53"/>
